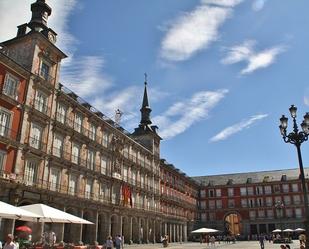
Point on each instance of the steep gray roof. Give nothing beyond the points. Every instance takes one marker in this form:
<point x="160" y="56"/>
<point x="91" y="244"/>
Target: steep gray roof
<point x="251" y="177"/>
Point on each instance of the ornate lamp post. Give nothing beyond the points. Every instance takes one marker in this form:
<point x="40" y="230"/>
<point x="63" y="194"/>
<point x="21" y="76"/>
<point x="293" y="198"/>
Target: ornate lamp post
<point x="297" y="137"/>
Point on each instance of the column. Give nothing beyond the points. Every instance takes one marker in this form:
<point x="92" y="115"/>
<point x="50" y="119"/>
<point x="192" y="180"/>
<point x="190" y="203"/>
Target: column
<point x="180" y="233"/>
<point x="139" y="231"/>
<point x="147" y="230"/>
<point x="185" y="237"/>
<point x="96" y="226"/>
<point x="80" y="235"/>
<point x="108" y="225"/>
<point x="170" y="232"/>
<point x="131" y="229"/>
<point x="120" y="225"/>
<point x="177" y="232"/>
<point x="154" y="232"/>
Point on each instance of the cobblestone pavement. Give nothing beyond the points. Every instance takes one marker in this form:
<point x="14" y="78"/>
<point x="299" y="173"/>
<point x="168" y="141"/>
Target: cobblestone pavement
<point x="237" y="245"/>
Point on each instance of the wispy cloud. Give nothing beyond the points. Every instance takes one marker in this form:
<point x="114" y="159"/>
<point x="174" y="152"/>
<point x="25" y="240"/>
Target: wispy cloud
<point x="258" y="5"/>
<point x="182" y="115"/>
<point x="231" y="130"/>
<point x="255" y="60"/>
<point x="195" y="30"/>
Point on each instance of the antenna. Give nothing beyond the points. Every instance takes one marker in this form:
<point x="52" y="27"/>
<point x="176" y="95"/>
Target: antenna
<point x="118" y="115"/>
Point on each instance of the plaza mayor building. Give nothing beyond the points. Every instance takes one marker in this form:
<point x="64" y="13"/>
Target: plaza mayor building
<point x="57" y="149"/>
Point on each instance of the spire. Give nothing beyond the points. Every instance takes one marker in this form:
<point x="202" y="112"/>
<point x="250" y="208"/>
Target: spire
<point x="40" y="12"/>
<point x="145" y="110"/>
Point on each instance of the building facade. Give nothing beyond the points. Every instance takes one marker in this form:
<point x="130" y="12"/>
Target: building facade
<point x="69" y="155"/>
<point x="252" y="203"/>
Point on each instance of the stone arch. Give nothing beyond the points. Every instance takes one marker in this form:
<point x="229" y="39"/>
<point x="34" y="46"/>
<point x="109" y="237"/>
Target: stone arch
<point x="88" y="231"/>
<point x="135" y="230"/>
<point x="71" y="230"/>
<point x="126" y="225"/>
<point x="232" y="223"/>
<point x="103" y="229"/>
<point x="114" y="221"/>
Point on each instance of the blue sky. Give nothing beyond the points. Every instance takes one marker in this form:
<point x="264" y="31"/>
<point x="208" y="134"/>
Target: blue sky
<point x="220" y="72"/>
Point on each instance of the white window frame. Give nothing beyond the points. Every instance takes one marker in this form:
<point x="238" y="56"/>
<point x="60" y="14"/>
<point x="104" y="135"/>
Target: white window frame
<point x="31" y="170"/>
<point x="3" y="156"/>
<point x="11" y="86"/>
<point x="5" y="122"/>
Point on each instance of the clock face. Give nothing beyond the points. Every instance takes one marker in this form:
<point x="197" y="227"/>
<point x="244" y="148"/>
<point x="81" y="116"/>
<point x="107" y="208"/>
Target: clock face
<point x="51" y="37"/>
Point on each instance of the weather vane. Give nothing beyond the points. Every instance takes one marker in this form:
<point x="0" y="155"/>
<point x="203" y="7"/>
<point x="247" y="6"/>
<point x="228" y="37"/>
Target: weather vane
<point x="145" y="78"/>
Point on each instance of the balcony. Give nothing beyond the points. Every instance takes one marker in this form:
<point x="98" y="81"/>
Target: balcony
<point x="37" y="144"/>
<point x="42" y="75"/>
<point x="6" y="132"/>
<point x="63" y="119"/>
<point x="41" y="106"/>
<point x="11" y="91"/>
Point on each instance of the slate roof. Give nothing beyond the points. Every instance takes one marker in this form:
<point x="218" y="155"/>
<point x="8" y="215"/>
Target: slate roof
<point x="251" y="177"/>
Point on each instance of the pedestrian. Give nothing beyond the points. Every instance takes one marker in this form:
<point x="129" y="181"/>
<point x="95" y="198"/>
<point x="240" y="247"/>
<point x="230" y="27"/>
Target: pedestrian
<point x="261" y="239"/>
<point x="109" y="244"/>
<point x="118" y="241"/>
<point x="9" y="244"/>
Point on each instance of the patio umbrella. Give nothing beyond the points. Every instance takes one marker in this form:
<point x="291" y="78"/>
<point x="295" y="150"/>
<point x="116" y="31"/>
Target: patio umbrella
<point x="299" y="230"/>
<point x="205" y="230"/>
<point x="24" y="229"/>
<point x="11" y="212"/>
<point x="288" y="230"/>
<point x="276" y="231"/>
<point x="50" y="214"/>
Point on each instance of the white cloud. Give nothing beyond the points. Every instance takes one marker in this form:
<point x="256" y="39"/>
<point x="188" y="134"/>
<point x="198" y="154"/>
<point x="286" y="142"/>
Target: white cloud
<point x="255" y="60"/>
<point x="195" y="30"/>
<point x="258" y="5"/>
<point x="231" y="130"/>
<point x="182" y="115"/>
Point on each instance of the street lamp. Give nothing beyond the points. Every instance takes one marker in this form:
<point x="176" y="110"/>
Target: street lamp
<point x="279" y="206"/>
<point x="297" y="137"/>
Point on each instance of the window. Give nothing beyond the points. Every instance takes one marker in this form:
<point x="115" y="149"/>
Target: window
<point x="289" y="212"/>
<point x="73" y="184"/>
<point x="261" y="213"/>
<point x="125" y="173"/>
<point x="250" y="190"/>
<point x="203" y="193"/>
<point x="106" y="138"/>
<point x="231" y="203"/>
<point x="276" y="188"/>
<point x="287" y="199"/>
<point x="259" y="190"/>
<point x="203" y="204"/>
<point x="75" y="153"/>
<point x="61" y="113"/>
<point x="295" y="187"/>
<point x="267" y="190"/>
<point x="44" y="70"/>
<point x="92" y="132"/>
<point x="219" y="203"/>
<point x="10" y="87"/>
<point x="243" y="191"/>
<point x="298" y="213"/>
<point x="296" y="199"/>
<point x="5" y="120"/>
<point x="252" y="214"/>
<point x="203" y="217"/>
<point x="88" y="188"/>
<point x="2" y="160"/>
<point x="270" y="213"/>
<point x="212" y="216"/>
<point x="244" y="203"/>
<point x="58" y="145"/>
<point x="285" y="188"/>
<point x="36" y="136"/>
<point x="230" y="192"/>
<point x="41" y="102"/>
<point x="54" y="180"/>
<point x="104" y="164"/>
<point x="251" y="203"/>
<point x="218" y="192"/>
<point x="78" y="120"/>
<point x="211" y="193"/>
<point x="30" y="172"/>
<point x="90" y="160"/>
<point x="260" y="202"/>
<point x="212" y="204"/>
<point x="269" y="201"/>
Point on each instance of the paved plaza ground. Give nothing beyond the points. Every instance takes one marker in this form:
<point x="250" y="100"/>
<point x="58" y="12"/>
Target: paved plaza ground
<point x="237" y="245"/>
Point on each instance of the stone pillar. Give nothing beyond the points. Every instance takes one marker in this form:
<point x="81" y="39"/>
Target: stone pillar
<point x="154" y="232"/>
<point x="174" y="232"/>
<point x="177" y="232"/>
<point x="80" y="235"/>
<point x="120" y="225"/>
<point x="180" y="233"/>
<point x="165" y="228"/>
<point x="170" y="232"/>
<point x="130" y="229"/>
<point x="96" y="226"/>
<point x="147" y="230"/>
<point x="185" y="237"/>
<point x="108" y="225"/>
<point x="139" y="231"/>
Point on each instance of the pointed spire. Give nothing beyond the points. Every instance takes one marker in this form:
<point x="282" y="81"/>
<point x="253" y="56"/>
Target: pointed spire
<point x="145" y="110"/>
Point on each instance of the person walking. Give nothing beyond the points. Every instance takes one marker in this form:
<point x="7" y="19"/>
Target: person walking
<point x="9" y="244"/>
<point x="261" y="240"/>
<point x="118" y="241"/>
<point x="109" y="244"/>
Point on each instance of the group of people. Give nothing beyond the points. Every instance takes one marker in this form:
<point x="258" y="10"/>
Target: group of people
<point x="117" y="242"/>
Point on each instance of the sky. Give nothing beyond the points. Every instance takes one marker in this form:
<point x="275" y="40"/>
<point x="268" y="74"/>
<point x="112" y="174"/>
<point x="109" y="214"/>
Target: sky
<point x="220" y="73"/>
